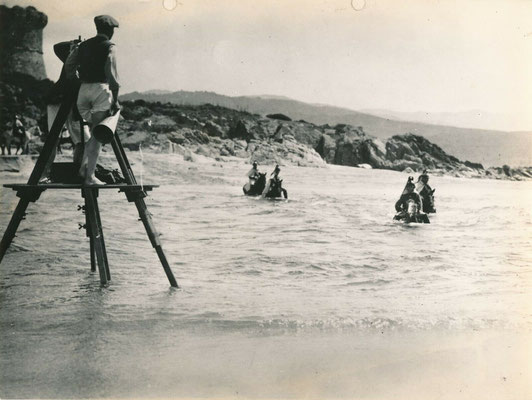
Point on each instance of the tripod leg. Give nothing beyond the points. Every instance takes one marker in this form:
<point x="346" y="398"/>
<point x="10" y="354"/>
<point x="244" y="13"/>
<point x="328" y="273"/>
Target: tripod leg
<point x="100" y="228"/>
<point x="45" y="155"/>
<point x="122" y="152"/>
<point x="153" y="235"/>
<point x="96" y="234"/>
<point x="144" y="215"/>
<point x="93" y="252"/>
<point x="123" y="162"/>
<point x="12" y="227"/>
<point x="89" y="234"/>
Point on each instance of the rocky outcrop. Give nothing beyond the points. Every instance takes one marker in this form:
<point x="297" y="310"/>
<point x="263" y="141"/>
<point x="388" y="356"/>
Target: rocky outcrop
<point x="21" y="32"/>
<point x="506" y="172"/>
<point x="326" y="148"/>
<point x="217" y="132"/>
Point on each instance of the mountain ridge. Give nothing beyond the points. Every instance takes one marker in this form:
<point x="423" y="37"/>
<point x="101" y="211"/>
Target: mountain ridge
<point x="489" y="147"/>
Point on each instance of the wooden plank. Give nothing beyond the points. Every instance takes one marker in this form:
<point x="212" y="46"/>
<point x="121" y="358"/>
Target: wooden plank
<point x="122" y="186"/>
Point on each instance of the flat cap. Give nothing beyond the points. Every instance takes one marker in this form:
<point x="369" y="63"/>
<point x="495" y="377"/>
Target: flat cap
<point x="105" y="21"/>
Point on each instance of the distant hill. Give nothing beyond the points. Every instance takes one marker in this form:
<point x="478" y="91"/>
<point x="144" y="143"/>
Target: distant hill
<point x="473" y="119"/>
<point x="489" y="147"/>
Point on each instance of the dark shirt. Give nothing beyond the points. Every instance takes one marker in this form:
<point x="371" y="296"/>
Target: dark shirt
<point x="96" y="60"/>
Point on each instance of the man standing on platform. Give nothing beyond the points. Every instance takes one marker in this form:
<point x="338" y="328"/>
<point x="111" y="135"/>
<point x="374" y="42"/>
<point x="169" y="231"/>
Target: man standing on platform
<point x="95" y="63"/>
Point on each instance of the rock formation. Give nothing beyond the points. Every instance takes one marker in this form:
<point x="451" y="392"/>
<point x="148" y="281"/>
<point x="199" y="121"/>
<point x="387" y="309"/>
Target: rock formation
<point x="218" y="132"/>
<point x="21" y="32"/>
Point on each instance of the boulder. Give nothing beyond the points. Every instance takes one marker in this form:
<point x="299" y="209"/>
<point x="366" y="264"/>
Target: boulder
<point x="364" y="166"/>
<point x="134" y="140"/>
<point x="326" y="148"/>
<point x="240" y="131"/>
<point x="280" y="117"/>
<point x="160" y="123"/>
<point x="350" y="151"/>
<point x="213" y="129"/>
<point x="473" y="165"/>
<point x="176" y="137"/>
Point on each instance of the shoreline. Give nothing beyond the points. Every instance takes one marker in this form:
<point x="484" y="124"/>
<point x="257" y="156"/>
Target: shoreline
<point x="23" y="163"/>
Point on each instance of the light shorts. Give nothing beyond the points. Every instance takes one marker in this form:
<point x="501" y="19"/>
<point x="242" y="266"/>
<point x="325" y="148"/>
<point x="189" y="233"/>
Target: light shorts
<point x="92" y="98"/>
<point x="71" y="124"/>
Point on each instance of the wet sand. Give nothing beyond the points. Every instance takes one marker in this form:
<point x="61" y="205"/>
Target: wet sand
<point x="422" y="365"/>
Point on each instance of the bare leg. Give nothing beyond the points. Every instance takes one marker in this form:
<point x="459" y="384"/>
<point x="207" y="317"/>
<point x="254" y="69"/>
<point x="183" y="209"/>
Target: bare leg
<point x="92" y="152"/>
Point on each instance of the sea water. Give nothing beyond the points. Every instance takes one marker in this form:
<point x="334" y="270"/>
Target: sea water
<point x="322" y="295"/>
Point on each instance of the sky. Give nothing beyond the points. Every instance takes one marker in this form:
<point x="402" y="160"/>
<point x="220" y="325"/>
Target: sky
<point x="400" y="55"/>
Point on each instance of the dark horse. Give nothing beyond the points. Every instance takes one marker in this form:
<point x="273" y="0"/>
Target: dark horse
<point x="276" y="189"/>
<point x="427" y="197"/>
<point x="257" y="187"/>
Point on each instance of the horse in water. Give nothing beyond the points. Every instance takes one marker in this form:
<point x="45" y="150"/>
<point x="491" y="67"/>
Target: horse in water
<point x="427" y="197"/>
<point x="411" y="214"/>
<point x="257" y="187"/>
<point x="276" y="190"/>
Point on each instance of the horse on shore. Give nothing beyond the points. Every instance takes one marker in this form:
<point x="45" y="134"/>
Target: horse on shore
<point x="21" y="142"/>
<point x="17" y="136"/>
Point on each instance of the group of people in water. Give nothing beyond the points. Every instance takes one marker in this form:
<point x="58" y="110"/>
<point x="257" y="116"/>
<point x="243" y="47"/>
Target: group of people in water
<point x="259" y="185"/>
<point x="416" y="201"/>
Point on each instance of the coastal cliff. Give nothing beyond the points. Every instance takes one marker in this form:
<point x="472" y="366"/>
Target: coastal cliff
<point x="219" y="132"/>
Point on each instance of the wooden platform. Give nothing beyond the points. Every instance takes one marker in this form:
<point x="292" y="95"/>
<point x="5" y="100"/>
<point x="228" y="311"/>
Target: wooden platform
<point x="122" y="186"/>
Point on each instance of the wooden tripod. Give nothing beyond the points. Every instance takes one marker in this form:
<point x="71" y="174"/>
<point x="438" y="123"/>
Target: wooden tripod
<point x="31" y="191"/>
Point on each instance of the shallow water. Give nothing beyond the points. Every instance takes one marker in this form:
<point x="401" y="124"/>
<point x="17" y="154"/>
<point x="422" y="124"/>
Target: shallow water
<point x="320" y="276"/>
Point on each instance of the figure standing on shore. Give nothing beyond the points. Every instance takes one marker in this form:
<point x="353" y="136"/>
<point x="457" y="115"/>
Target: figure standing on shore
<point x="19" y="135"/>
<point x="95" y="62"/>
